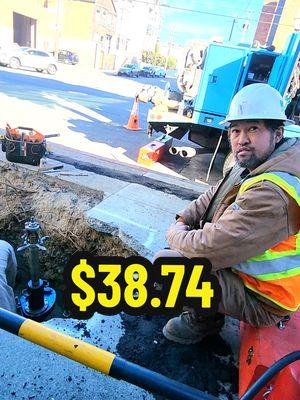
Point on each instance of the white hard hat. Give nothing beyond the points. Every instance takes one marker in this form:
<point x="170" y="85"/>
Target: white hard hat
<point x="257" y="101"/>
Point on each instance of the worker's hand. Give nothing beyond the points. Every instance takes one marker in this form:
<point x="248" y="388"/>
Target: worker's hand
<point x="177" y="227"/>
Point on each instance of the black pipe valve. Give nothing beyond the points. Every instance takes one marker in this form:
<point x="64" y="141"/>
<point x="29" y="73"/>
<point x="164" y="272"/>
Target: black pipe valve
<point x="38" y="299"/>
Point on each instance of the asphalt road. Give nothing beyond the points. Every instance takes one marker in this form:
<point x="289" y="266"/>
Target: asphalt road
<point x="88" y="108"/>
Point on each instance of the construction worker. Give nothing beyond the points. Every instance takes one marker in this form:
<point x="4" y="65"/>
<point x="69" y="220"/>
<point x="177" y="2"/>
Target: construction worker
<point x="248" y="224"/>
<point x="8" y="271"/>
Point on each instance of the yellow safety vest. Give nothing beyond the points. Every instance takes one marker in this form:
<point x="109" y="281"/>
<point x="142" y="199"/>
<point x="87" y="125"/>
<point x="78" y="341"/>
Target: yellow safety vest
<point x="275" y="274"/>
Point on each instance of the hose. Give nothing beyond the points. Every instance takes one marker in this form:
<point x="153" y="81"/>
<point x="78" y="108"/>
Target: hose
<point x="269" y="374"/>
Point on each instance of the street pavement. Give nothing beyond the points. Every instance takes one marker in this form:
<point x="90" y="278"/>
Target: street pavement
<point x="88" y="108"/>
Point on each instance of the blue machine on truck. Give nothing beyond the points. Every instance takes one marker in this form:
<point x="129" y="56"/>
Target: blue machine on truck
<point x="224" y="70"/>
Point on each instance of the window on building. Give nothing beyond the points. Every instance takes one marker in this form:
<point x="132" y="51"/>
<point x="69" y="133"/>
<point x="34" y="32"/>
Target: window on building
<point x="108" y="38"/>
<point x="118" y="43"/>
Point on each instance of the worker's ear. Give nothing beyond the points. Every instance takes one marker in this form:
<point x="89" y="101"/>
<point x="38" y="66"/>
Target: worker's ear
<point x="279" y="134"/>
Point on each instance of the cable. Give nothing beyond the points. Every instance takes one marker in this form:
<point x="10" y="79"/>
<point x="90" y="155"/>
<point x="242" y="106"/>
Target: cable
<point x="196" y="11"/>
<point x="269" y="374"/>
<point x="216" y="14"/>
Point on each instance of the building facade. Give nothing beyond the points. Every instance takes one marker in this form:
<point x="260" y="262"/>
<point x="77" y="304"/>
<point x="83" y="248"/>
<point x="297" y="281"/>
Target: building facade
<point x="83" y="26"/>
<point x="138" y="27"/>
<point x="278" y="19"/>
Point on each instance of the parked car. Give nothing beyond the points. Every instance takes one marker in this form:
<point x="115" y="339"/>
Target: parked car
<point x="129" y="70"/>
<point x="147" y="71"/>
<point x="68" y="57"/>
<point x="160" y="72"/>
<point x="7" y="51"/>
<point x="29" y="58"/>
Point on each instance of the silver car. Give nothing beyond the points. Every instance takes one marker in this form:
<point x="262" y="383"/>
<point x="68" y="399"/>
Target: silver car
<point x="28" y="58"/>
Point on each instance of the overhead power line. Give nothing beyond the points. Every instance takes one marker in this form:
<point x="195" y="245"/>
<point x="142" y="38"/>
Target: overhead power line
<point x="216" y="14"/>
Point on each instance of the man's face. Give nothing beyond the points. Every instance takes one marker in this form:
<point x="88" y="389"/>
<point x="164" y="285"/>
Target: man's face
<point x="252" y="143"/>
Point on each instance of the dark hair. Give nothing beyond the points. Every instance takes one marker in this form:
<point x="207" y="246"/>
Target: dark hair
<point x="273" y="124"/>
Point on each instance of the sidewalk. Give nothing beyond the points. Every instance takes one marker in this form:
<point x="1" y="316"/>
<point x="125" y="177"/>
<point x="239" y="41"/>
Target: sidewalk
<point x="139" y="205"/>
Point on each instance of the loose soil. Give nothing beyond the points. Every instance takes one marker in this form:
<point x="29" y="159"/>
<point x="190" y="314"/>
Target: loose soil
<point x="208" y="366"/>
<point x="59" y="207"/>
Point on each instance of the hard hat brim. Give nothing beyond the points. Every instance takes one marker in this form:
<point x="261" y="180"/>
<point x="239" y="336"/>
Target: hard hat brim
<point x="226" y="123"/>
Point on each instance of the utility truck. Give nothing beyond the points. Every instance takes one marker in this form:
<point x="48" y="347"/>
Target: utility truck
<point x="210" y="80"/>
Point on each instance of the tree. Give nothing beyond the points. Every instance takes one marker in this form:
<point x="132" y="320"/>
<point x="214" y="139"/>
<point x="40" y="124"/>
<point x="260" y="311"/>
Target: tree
<point x="148" y="57"/>
<point x="155" y="58"/>
<point x="172" y="62"/>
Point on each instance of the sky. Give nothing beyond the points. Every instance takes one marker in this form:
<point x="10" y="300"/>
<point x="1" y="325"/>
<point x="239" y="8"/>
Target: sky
<point x="179" y="26"/>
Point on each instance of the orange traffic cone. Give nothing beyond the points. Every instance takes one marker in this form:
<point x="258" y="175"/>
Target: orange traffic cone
<point x="133" y="122"/>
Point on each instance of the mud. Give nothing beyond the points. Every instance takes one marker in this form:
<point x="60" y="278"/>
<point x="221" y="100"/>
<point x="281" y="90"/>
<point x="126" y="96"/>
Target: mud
<point x="59" y="207"/>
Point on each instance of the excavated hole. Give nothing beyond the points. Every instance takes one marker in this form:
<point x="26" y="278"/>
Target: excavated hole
<point x="59" y="207"/>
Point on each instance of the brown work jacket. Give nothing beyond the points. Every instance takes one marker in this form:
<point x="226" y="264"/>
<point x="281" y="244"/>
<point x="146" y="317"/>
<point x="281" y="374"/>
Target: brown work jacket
<point x="242" y="225"/>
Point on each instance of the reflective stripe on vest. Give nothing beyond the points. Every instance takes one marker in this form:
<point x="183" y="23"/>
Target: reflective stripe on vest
<point x="275" y="274"/>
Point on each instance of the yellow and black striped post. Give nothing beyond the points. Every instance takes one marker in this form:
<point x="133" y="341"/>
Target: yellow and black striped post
<point x="98" y="359"/>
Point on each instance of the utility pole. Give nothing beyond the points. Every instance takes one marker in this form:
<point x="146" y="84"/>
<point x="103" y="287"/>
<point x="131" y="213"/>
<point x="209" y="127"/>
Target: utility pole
<point x="246" y="25"/>
<point x="57" y="27"/>
<point x="168" y="55"/>
<point x="170" y="45"/>
<point x="232" y="26"/>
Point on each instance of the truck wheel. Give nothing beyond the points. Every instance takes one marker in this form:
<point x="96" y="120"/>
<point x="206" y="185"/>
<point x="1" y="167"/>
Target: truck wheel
<point x="228" y="163"/>
<point x="14" y="63"/>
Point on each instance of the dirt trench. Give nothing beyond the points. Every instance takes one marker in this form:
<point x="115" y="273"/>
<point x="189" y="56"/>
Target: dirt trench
<point x="59" y="208"/>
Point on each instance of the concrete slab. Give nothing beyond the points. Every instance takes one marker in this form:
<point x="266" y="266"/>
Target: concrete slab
<point x="153" y="198"/>
<point x="28" y="371"/>
<point x="139" y="216"/>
